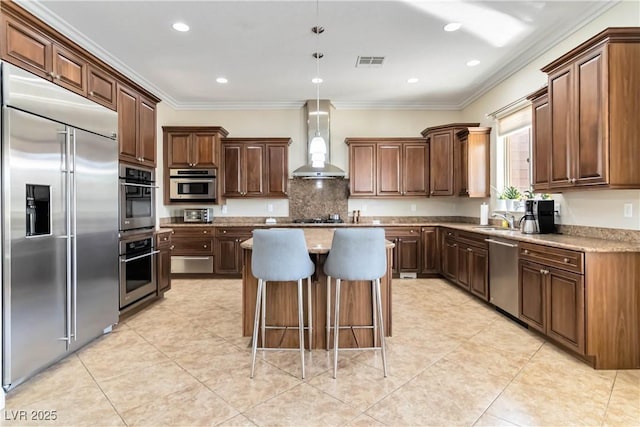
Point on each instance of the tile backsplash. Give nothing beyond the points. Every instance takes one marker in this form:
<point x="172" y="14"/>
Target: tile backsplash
<point x="313" y="198"/>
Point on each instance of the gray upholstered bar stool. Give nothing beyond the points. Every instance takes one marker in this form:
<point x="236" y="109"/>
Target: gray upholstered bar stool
<point x="280" y="255"/>
<point x="357" y="254"/>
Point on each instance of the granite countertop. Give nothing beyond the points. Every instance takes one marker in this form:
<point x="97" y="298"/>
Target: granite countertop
<point x="565" y="241"/>
<point x="585" y="244"/>
<point x="318" y="240"/>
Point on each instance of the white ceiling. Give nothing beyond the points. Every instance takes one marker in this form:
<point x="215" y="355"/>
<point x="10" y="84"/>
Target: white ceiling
<point x="264" y="48"/>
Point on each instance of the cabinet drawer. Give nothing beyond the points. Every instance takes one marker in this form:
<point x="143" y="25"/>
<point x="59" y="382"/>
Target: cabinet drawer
<point x="163" y="240"/>
<point x="472" y="239"/>
<point x="192" y="246"/>
<point x="564" y="259"/>
<point x="191" y="264"/>
<point x="192" y="232"/>
<point x="234" y="231"/>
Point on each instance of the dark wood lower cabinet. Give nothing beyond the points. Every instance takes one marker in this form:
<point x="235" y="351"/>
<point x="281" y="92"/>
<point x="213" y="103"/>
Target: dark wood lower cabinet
<point x="163" y="276"/>
<point x="450" y="258"/>
<point x="407" y="252"/>
<point x="228" y="253"/>
<point x="479" y="273"/>
<point x="430" y="252"/>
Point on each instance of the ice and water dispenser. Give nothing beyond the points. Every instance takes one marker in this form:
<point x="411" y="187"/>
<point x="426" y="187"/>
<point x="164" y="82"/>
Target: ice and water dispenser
<point x="38" y="210"/>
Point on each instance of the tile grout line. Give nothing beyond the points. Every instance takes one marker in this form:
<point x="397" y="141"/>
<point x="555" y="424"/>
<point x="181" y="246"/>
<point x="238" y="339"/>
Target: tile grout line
<point x="606" y="408"/>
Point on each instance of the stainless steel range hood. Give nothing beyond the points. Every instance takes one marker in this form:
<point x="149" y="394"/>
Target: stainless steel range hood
<point x="328" y="170"/>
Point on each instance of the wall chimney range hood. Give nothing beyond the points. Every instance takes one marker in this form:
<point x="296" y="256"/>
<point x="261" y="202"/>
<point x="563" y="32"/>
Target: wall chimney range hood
<point x="328" y="170"/>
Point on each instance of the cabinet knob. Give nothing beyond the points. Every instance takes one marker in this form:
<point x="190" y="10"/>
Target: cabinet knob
<point x="541" y="271"/>
<point x="455" y="244"/>
<point x="573" y="180"/>
<point x="526" y="251"/>
<point x="91" y="93"/>
<point x="164" y="239"/>
<point x="173" y="232"/>
<point x="413" y="231"/>
<point x="171" y="247"/>
<point x="431" y="193"/>
<point x="204" y="246"/>
<point x="566" y="260"/>
<point x="469" y="249"/>
<point x="224" y="231"/>
<point x="205" y="231"/>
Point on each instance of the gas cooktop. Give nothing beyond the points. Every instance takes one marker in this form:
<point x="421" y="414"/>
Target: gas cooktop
<point x="318" y="221"/>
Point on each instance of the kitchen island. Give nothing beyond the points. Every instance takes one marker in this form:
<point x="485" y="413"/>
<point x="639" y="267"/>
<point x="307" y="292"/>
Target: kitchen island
<point x="355" y="299"/>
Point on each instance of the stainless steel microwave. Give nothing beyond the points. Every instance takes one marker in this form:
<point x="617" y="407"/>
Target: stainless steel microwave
<point x="194" y="185"/>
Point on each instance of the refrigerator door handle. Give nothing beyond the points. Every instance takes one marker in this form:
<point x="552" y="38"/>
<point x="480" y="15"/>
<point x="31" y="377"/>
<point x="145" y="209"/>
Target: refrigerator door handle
<point x="68" y="232"/>
<point x="74" y="231"/>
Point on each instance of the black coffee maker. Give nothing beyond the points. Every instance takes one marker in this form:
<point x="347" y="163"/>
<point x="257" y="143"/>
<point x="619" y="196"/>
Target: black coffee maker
<point x="543" y="213"/>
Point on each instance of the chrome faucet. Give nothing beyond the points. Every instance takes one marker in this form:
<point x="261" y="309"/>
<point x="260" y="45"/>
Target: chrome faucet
<point x="511" y="220"/>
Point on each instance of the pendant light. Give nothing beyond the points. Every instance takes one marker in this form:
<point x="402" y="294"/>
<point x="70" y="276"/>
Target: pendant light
<point x="318" y="146"/>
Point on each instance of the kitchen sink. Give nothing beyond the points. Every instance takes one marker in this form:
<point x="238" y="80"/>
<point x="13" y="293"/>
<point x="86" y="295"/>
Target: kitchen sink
<point x="493" y="229"/>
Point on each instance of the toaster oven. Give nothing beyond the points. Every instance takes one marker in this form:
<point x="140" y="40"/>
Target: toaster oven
<point x="198" y="215"/>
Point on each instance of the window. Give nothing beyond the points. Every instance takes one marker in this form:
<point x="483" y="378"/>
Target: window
<point x="513" y="150"/>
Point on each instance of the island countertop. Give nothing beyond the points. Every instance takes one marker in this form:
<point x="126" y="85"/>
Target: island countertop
<point x="318" y="240"/>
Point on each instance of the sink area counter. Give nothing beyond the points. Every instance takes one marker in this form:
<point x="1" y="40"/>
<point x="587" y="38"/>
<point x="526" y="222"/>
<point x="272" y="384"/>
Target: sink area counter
<point x="282" y="297"/>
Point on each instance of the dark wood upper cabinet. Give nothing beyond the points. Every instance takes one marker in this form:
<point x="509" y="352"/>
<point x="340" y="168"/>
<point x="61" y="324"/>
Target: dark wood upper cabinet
<point x="459" y="160"/>
<point x="193" y="146"/>
<point x="541" y="140"/>
<point x="593" y="125"/>
<point x="388" y="167"/>
<point x="136" y="127"/>
<point x="255" y="167"/>
<point x="101" y="87"/>
<point x="362" y="169"/>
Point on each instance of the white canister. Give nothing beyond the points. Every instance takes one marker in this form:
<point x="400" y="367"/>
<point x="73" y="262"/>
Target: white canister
<point x="484" y="214"/>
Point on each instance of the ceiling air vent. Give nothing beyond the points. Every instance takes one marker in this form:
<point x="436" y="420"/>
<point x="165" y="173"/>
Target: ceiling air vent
<point x="369" y="61"/>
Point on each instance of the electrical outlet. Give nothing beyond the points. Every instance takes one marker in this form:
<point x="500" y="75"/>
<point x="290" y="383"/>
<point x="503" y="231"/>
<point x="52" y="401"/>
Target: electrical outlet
<point x="628" y="210"/>
<point x="413" y="207"/>
<point x="224" y="209"/>
<point x="269" y="207"/>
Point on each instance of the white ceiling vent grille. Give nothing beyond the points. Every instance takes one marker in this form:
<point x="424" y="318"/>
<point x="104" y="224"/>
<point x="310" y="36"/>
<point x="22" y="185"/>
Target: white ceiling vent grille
<point x="369" y="61"/>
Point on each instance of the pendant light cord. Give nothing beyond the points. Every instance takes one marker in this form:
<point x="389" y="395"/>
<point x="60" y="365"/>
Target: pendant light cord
<point x="318" y="67"/>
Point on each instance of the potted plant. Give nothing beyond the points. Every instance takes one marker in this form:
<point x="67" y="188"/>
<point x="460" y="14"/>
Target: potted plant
<point x="511" y="195"/>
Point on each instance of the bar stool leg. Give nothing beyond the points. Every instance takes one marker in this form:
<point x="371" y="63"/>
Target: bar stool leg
<point x="301" y="325"/>
<point x="336" y="329"/>
<point x="264" y="314"/>
<point x="310" y="330"/>
<point x="328" y="328"/>
<point x="381" y="329"/>
<point x="254" y="346"/>
<point x="374" y="315"/>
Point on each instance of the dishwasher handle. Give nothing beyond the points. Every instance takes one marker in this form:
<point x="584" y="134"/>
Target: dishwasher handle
<point x="497" y="242"/>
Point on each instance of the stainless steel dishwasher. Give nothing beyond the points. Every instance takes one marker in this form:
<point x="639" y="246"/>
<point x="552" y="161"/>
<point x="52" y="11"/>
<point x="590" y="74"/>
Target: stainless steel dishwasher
<point x="504" y="292"/>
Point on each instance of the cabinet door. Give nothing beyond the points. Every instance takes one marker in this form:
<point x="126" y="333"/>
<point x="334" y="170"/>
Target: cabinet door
<point x="409" y="253"/>
<point x="541" y="143"/>
<point x="226" y="258"/>
<point x="464" y="266"/>
<point x="429" y="250"/>
<point x="450" y="258"/>
<point x="565" y="308"/>
<point x="101" y="87"/>
<point x="128" y="124"/>
<point x="277" y="170"/>
<point x="204" y="150"/>
<point x="69" y="70"/>
<point x="562" y="124"/>
<point x="388" y="165"/>
<point x="591" y="141"/>
<point x="179" y="150"/>
<point x="164" y="270"/>
<point x="25" y="47"/>
<point x="462" y="169"/>
<point x="479" y="273"/>
<point x="532" y="294"/>
<point x="415" y="169"/>
<point x="362" y="169"/>
<point x="232" y="184"/>
<point x="254" y="171"/>
<point x="441" y="156"/>
<point x="147" y="132"/>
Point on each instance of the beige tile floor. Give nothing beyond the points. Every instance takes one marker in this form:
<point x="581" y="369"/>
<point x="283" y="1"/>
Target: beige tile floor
<point x="452" y="361"/>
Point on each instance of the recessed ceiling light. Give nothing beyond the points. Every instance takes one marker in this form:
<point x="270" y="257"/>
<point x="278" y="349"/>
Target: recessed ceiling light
<point x="316" y="80"/>
<point x="453" y="26"/>
<point x="473" y="63"/>
<point x="412" y="80"/>
<point x="222" y="80"/>
<point x="180" y="26"/>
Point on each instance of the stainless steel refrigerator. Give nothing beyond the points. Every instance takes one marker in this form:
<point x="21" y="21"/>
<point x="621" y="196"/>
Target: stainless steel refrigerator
<point x="59" y="223"/>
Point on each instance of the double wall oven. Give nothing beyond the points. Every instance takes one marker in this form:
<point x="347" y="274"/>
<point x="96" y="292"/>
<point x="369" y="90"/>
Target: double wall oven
<point x="137" y="243"/>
